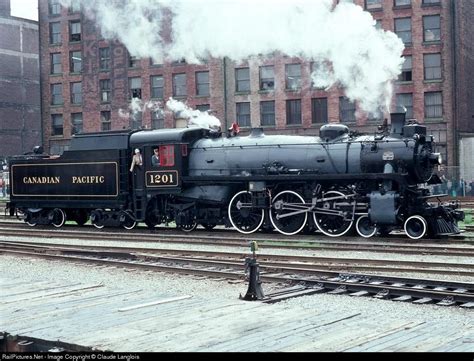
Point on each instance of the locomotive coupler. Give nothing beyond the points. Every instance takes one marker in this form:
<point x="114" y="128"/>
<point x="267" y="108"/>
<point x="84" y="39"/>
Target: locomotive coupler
<point x="254" y="291"/>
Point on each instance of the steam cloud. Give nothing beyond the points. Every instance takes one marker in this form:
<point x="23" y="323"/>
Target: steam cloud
<point x="342" y="40"/>
<point x="194" y="117"/>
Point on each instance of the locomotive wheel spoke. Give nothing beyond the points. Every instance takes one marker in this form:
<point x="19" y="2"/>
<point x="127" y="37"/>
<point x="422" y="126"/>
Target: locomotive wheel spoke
<point x="283" y="215"/>
<point x="245" y="219"/>
<point x="333" y="225"/>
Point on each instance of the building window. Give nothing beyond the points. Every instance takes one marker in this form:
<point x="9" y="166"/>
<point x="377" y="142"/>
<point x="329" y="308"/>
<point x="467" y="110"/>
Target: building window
<point x="76" y="93"/>
<point x="431" y="2"/>
<point x="319" y="110"/>
<point x="293" y="111"/>
<point x="378" y="24"/>
<point x="104" y="58"/>
<point x="203" y="107"/>
<point x="76" y="123"/>
<point x="105" y="91"/>
<point x="75" y="30"/>
<point x="433" y="105"/>
<point x="403" y="29"/>
<point x="157" y="85"/>
<point x="293" y="76"/>
<point x="135" y="85"/>
<point x="54" y="7"/>
<point x="406" y="74"/>
<point x="432" y="65"/>
<point x="243" y="114"/>
<point x="373" y="4"/>
<point x="133" y="61"/>
<point x="242" y="80"/>
<point x="267" y="112"/>
<point x="55" y="33"/>
<point x="56" y="94"/>
<point x="75" y="7"/>
<point x="57" y="124"/>
<point x="431" y="28"/>
<point x="179" y="85"/>
<point x="158" y="119"/>
<point x="406" y="100"/>
<point x="56" y="66"/>
<point x="181" y="61"/>
<point x="347" y="110"/>
<point x="267" y="77"/>
<point x="202" y="83"/>
<point x="402" y="3"/>
<point x="75" y="61"/>
<point x="105" y="122"/>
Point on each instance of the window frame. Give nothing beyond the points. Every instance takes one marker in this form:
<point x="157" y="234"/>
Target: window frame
<point x="317" y="109"/>
<point x="53" y="64"/>
<point x="293" y="116"/>
<point x="432" y="69"/>
<point x="72" y="63"/>
<point x="202" y="88"/>
<point x="291" y="78"/>
<point x="410" y="31"/>
<point x="243" y="118"/>
<point x="180" y="90"/>
<point x="54" y="126"/>
<point x="266" y="80"/>
<point x="264" y="113"/>
<point x="75" y="37"/>
<point x="242" y="80"/>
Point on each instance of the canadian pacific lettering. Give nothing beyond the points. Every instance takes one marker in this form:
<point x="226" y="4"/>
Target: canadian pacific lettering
<point x="88" y="179"/>
<point x="41" y="180"/>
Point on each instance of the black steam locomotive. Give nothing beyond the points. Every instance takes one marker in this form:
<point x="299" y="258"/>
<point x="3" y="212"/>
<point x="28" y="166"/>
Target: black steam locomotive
<point x="334" y="183"/>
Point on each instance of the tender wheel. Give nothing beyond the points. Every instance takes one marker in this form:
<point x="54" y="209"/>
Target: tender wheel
<point x="243" y="217"/>
<point x="415" y="227"/>
<point x="29" y="220"/>
<point x="282" y="216"/>
<point x="327" y="217"/>
<point x="365" y="227"/>
<point x="57" y="217"/>
<point x="188" y="227"/>
<point x="97" y="219"/>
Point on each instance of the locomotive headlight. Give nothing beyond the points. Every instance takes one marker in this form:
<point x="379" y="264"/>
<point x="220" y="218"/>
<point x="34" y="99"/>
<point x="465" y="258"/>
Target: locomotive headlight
<point x="436" y="158"/>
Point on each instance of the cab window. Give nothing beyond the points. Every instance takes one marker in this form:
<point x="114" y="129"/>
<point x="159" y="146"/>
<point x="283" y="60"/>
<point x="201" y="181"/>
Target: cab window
<point x="167" y="155"/>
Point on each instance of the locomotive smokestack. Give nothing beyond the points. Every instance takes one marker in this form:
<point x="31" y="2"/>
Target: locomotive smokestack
<point x="398" y="120"/>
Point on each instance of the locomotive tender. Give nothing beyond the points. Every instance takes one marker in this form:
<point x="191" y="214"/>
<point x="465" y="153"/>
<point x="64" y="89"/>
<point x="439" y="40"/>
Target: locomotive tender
<point x="335" y="182"/>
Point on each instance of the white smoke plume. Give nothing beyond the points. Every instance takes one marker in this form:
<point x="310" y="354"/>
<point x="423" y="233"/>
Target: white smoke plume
<point x="363" y="60"/>
<point x="193" y="116"/>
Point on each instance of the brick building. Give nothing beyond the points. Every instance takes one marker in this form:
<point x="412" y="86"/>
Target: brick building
<point x="90" y="81"/>
<point x="20" y="115"/>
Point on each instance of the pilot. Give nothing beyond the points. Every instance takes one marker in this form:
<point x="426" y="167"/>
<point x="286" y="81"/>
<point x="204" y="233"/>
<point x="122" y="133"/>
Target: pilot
<point x="136" y="160"/>
<point x="155" y="158"/>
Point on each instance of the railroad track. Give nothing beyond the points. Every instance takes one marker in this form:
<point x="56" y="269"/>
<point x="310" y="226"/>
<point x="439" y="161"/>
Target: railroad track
<point x="223" y="239"/>
<point x="297" y="263"/>
<point x="309" y="279"/>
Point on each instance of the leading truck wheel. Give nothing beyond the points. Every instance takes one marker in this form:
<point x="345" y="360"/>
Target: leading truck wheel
<point x="243" y="217"/>
<point x="415" y="227"/>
